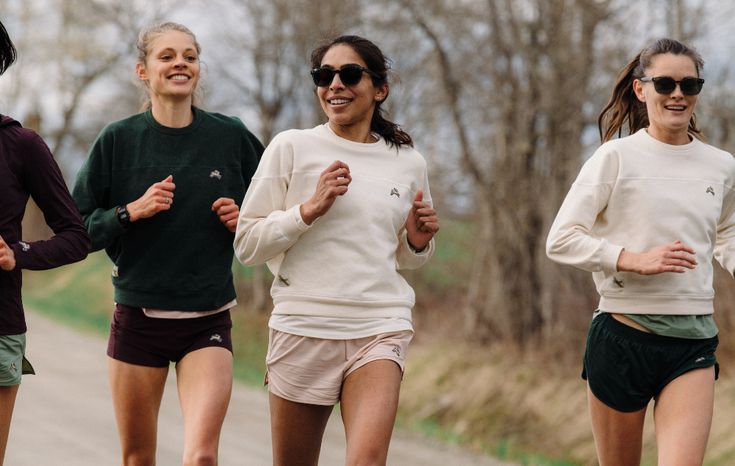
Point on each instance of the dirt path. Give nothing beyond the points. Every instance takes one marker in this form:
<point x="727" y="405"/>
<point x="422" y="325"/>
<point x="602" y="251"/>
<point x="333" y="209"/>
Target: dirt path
<point x="64" y="417"/>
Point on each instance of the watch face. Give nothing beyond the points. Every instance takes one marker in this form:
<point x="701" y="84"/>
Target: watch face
<point x="123" y="216"/>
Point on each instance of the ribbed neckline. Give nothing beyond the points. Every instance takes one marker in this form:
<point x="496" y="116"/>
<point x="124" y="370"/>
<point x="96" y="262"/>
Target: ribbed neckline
<point x="198" y="117"/>
<point x="364" y="146"/>
<point x="660" y="145"/>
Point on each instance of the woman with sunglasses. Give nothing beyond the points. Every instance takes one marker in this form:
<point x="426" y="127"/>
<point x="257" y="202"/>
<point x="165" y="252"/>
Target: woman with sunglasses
<point x="158" y="193"/>
<point x="27" y="169"/>
<point x="646" y="215"/>
<point x="335" y="211"/>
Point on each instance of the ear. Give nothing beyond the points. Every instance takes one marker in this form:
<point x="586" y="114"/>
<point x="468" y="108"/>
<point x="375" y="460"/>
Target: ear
<point x="381" y="93"/>
<point x="638" y="89"/>
<point x="141" y="72"/>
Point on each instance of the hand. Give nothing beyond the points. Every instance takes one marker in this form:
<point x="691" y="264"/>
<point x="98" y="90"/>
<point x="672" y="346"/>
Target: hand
<point x="672" y="257"/>
<point x="7" y="256"/>
<point x="333" y="182"/>
<point x="422" y="223"/>
<point x="227" y="211"/>
<point x="160" y="196"/>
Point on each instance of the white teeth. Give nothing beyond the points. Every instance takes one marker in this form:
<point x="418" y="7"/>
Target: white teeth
<point x="338" y="101"/>
<point x="180" y="77"/>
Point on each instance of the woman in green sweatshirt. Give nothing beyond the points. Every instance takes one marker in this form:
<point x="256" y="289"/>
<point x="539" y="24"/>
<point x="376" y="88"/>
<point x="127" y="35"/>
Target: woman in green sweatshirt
<point x="158" y="193"/>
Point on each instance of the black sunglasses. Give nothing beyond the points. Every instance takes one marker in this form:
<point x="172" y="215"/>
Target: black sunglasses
<point x="349" y="74"/>
<point x="667" y="84"/>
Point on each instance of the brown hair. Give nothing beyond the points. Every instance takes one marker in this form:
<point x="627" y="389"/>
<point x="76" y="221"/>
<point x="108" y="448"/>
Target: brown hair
<point x="146" y="37"/>
<point x="8" y="53"/>
<point x="378" y="64"/>
<point x="624" y="105"/>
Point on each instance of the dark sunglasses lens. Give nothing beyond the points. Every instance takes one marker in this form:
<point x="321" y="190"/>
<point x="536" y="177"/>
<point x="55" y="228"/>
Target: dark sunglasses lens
<point x="691" y="86"/>
<point x="350" y="75"/>
<point x="322" y="76"/>
<point x="664" y="85"/>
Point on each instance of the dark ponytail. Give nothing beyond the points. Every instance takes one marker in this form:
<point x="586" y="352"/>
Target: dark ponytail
<point x="8" y="53"/>
<point x="624" y="105"/>
<point x="377" y="63"/>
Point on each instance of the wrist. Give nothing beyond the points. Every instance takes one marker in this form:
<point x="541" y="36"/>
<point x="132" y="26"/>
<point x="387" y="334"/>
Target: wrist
<point x="306" y="216"/>
<point x="414" y="248"/>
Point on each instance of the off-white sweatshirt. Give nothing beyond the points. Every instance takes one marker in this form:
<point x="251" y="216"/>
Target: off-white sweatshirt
<point x="345" y="264"/>
<point x="636" y="193"/>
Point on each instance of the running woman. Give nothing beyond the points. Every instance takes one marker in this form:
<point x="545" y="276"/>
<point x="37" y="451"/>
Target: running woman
<point x="646" y="215"/>
<point x="27" y="169"/>
<point x="335" y="211"/>
<point x="158" y="193"/>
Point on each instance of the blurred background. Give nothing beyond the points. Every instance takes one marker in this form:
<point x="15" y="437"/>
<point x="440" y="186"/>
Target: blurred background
<point x="501" y="97"/>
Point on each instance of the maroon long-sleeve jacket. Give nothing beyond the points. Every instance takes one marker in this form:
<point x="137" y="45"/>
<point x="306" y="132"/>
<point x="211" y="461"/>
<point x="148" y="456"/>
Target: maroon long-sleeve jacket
<point x="27" y="168"/>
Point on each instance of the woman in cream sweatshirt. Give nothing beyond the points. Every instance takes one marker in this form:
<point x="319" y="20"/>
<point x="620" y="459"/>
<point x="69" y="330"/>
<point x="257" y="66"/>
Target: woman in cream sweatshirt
<point x="335" y="211"/>
<point x="646" y="215"/>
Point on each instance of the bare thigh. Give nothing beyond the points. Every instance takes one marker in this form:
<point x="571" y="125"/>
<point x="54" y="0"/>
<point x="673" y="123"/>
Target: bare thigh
<point x="683" y="416"/>
<point x="297" y="430"/>
<point x="369" y="403"/>
<point x="136" y="397"/>
<point x="7" y="403"/>
<point x="204" y="379"/>
<point x="618" y="435"/>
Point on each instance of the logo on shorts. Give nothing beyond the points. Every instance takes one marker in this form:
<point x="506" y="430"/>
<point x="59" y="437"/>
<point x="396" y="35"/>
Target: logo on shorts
<point x="13" y="367"/>
<point x="284" y="281"/>
<point x="216" y="174"/>
<point x="700" y="359"/>
<point x="397" y="349"/>
<point x="216" y="337"/>
<point x="394" y="192"/>
<point x="710" y="190"/>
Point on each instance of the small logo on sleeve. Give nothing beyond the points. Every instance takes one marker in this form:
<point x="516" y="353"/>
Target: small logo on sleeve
<point x="216" y="174"/>
<point x="24" y="246"/>
<point x="710" y="190"/>
<point x="283" y="280"/>
<point x="394" y="192"/>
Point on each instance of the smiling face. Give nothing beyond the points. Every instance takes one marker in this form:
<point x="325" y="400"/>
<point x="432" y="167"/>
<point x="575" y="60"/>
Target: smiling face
<point x="349" y="108"/>
<point x="668" y="114"/>
<point x="171" y="68"/>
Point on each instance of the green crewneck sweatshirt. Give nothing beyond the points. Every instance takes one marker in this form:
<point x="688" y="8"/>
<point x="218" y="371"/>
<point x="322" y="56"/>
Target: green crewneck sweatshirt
<point x="180" y="259"/>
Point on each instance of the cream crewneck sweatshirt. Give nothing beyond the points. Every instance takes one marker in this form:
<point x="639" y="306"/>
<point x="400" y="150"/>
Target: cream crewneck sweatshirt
<point x="345" y="264"/>
<point x="636" y="193"/>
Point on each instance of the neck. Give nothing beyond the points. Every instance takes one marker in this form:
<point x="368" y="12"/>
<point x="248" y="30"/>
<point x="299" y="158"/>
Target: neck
<point x="673" y="137"/>
<point x="357" y="133"/>
<point x="172" y="114"/>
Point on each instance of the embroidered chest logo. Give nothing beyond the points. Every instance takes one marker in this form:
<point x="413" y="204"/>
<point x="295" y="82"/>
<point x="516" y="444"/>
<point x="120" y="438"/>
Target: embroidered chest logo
<point x="216" y="174"/>
<point x="618" y="282"/>
<point x="710" y="190"/>
<point x="394" y="192"/>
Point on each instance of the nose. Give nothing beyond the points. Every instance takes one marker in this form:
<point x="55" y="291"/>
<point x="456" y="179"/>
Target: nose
<point x="677" y="91"/>
<point x="180" y="61"/>
<point x="336" y="82"/>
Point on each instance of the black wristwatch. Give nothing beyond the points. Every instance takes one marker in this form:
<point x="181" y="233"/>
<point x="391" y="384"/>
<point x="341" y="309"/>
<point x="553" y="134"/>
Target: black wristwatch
<point x="123" y="216"/>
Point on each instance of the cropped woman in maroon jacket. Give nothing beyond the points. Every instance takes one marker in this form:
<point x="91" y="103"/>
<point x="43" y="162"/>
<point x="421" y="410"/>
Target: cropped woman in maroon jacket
<point x="27" y="169"/>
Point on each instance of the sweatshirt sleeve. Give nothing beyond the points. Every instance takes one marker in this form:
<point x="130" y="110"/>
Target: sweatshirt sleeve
<point x="406" y="257"/>
<point x="266" y="227"/>
<point x="724" y="250"/>
<point x="45" y="184"/>
<point x="570" y="240"/>
<point x="92" y="195"/>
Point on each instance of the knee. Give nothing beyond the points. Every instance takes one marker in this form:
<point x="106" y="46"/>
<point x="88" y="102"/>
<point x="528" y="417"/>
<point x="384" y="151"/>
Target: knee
<point x="139" y="459"/>
<point x="370" y="458"/>
<point x="200" y="458"/>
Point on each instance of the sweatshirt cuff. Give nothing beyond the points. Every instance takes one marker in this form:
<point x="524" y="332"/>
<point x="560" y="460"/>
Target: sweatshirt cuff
<point x="609" y="257"/>
<point x="298" y="226"/>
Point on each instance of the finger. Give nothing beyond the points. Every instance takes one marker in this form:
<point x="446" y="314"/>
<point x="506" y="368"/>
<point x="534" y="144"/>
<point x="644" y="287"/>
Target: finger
<point x="337" y="164"/>
<point x="222" y="201"/>
<point x="419" y="197"/>
<point x="229" y="217"/>
<point x="679" y="246"/>
<point x="227" y="208"/>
